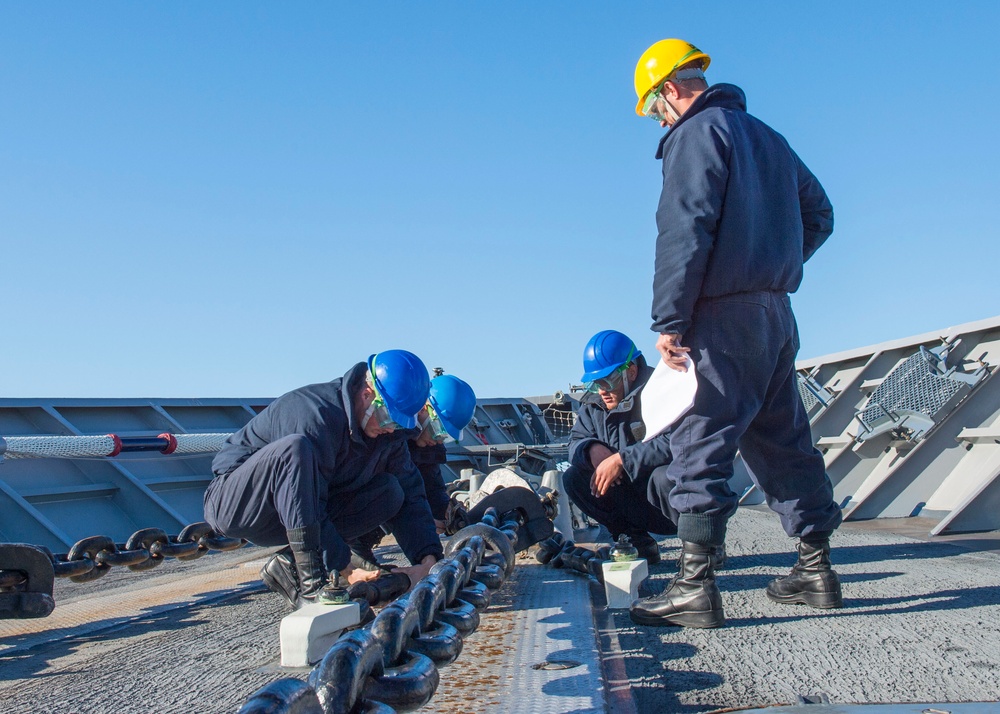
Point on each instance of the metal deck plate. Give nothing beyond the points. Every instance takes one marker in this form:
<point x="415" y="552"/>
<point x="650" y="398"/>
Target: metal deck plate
<point x="540" y="615"/>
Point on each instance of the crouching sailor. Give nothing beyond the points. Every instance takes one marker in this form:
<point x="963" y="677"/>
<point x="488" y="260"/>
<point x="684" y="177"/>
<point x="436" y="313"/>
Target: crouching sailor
<point x="448" y="410"/>
<point x="322" y="465"/>
<point x="610" y="465"/>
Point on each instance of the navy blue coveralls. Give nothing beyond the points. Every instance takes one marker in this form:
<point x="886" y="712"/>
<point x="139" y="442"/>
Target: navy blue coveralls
<point x="305" y="460"/>
<point x="738" y="216"/>
<point x="428" y="460"/>
<point x="624" y="508"/>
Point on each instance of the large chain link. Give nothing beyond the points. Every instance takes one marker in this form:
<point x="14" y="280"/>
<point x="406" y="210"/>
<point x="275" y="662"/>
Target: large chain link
<point x="562" y="553"/>
<point x="392" y="663"/>
<point x="92" y="558"/>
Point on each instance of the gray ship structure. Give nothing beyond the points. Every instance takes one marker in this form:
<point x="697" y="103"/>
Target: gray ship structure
<point x="107" y="605"/>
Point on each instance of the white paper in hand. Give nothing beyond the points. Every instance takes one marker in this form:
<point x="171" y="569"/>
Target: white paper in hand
<point x="666" y="397"/>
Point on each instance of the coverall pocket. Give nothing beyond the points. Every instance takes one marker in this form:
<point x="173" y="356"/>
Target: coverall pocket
<point x="739" y="325"/>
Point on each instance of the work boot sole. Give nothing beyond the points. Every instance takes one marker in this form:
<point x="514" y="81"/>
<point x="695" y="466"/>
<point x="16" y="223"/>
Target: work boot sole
<point x="703" y="620"/>
<point x="822" y="601"/>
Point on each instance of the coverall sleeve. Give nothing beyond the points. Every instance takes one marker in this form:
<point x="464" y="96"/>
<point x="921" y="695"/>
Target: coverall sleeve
<point x="817" y="212"/>
<point x="640" y="459"/>
<point x="582" y="436"/>
<point x="437" y="493"/>
<point x="413" y="524"/>
<point x="695" y="173"/>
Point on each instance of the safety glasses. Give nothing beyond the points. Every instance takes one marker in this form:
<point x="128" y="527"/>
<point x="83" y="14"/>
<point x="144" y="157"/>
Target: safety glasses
<point x="650" y="108"/>
<point x="609" y="383"/>
<point x="433" y="425"/>
<point x="380" y="411"/>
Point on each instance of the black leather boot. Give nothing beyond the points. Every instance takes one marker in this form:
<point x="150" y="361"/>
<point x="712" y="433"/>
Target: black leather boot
<point x="812" y="580"/>
<point x="363" y="550"/>
<point x="719" y="556"/>
<point x="304" y="544"/>
<point x="646" y="545"/>
<point x="692" y="600"/>
<point x="279" y="576"/>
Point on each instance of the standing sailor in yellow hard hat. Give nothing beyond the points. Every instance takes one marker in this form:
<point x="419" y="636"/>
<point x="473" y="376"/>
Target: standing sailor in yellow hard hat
<point x="739" y="214"/>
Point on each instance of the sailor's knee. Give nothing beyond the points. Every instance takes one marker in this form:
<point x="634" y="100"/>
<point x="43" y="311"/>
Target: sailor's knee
<point x="576" y="482"/>
<point x="297" y="447"/>
<point x="379" y="501"/>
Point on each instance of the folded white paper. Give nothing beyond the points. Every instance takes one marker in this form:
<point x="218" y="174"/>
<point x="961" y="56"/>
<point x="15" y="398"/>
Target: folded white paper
<point x="666" y="397"/>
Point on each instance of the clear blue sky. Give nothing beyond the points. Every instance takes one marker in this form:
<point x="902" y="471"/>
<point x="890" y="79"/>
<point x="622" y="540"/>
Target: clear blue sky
<point x="237" y="198"/>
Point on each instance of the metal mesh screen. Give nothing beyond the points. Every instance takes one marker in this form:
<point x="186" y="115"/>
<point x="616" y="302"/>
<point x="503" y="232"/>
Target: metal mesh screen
<point x="809" y="399"/>
<point x="913" y="387"/>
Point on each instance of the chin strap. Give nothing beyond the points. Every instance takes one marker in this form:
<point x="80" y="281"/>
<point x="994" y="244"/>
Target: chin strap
<point x="671" y="111"/>
<point x="680" y="76"/>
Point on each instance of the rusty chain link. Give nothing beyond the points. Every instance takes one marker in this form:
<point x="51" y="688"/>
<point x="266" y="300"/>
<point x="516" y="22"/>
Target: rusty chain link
<point x="392" y="663"/>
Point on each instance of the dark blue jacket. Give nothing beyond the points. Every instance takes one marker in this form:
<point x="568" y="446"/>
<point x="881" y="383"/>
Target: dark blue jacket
<point x="739" y="211"/>
<point x="620" y="429"/>
<point x="346" y="458"/>
<point x="428" y="460"/>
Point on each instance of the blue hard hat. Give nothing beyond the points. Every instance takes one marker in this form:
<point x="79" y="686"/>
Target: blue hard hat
<point x="454" y="402"/>
<point x="607" y="351"/>
<point x="402" y="381"/>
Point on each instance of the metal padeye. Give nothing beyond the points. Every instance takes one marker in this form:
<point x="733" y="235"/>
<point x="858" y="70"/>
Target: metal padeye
<point x="31" y="595"/>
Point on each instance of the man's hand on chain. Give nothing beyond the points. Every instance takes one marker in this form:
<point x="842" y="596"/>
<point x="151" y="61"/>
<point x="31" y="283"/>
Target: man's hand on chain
<point x="418" y="571"/>
<point x="359" y="575"/>
<point x="668" y="345"/>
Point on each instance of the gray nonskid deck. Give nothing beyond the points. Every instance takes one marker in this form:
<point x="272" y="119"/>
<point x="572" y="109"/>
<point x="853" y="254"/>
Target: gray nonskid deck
<point x="921" y="622"/>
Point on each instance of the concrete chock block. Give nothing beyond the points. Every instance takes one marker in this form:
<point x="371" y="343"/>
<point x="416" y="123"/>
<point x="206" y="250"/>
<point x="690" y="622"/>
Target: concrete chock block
<point x="311" y="630"/>
<point x="621" y="581"/>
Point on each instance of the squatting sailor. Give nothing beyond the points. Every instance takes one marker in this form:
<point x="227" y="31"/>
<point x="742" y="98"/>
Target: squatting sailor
<point x="321" y="466"/>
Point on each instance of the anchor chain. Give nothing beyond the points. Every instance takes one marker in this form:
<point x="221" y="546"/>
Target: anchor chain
<point x="27" y="571"/>
<point x="392" y="663"/>
<point x="561" y="553"/>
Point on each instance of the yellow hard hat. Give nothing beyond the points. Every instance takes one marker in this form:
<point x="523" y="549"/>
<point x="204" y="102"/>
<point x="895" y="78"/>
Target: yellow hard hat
<point x="660" y="61"/>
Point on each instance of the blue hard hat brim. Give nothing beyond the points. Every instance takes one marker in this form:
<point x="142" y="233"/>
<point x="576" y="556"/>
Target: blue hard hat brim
<point x="448" y="425"/>
<point x="454" y="433"/>
<point x="406" y="422"/>
<point x="599" y="374"/>
<point x="602" y="373"/>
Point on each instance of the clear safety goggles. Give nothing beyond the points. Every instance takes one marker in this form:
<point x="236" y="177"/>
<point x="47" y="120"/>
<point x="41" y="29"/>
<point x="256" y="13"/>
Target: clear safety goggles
<point x="609" y="383"/>
<point x="650" y="107"/>
<point x="433" y="425"/>
<point x="380" y="411"/>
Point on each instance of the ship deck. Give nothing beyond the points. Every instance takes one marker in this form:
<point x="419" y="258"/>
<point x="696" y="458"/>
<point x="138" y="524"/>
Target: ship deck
<point x="921" y="623"/>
